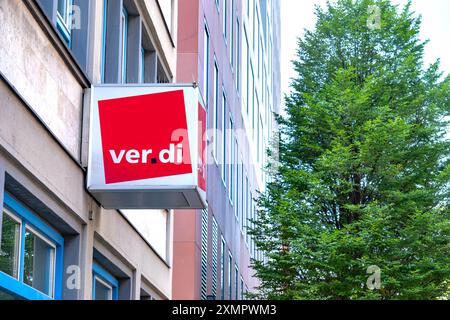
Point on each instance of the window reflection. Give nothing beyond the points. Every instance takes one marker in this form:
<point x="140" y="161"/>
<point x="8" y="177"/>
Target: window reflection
<point x="39" y="263"/>
<point x="10" y="244"/>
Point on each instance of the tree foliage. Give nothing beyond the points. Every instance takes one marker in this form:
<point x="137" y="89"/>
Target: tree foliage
<point x="364" y="167"/>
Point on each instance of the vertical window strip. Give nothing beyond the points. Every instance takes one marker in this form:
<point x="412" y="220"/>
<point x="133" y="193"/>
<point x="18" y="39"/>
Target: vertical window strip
<point x="231" y="182"/>
<point x="222" y="269"/>
<point x="236" y="178"/>
<point x="204" y="254"/>
<point x="216" y="110"/>
<point x="230" y="276"/>
<point x="238" y="56"/>
<point x="64" y="19"/>
<point x="206" y="64"/>
<point x="124" y="24"/>
<point x="224" y="138"/>
<point x="103" y="65"/>
<point x="225" y="17"/>
<point x="215" y="253"/>
<point x="242" y="195"/>
<point x="236" y="282"/>
<point x="142" y="75"/>
<point x="232" y="32"/>
<point x="242" y="288"/>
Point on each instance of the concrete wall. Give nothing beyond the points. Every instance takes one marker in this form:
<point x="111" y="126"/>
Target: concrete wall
<point x="35" y="68"/>
<point x="41" y="119"/>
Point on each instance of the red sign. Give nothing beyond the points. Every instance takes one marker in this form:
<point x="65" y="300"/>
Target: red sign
<point x="142" y="137"/>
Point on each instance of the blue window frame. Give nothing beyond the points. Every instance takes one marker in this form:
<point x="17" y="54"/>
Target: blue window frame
<point x="104" y="285"/>
<point x="37" y="270"/>
<point x="64" y="19"/>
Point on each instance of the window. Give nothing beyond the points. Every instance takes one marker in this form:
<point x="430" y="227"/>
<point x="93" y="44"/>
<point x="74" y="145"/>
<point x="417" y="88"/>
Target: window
<point x="236" y="178"/>
<point x="242" y="194"/>
<point x="146" y="293"/>
<point x="64" y="17"/>
<point x="215" y="109"/>
<point x="205" y="64"/>
<point x="70" y="22"/>
<point x="249" y="216"/>
<point x="255" y="111"/>
<point x="230" y="276"/>
<point x="236" y="281"/>
<point x="32" y="255"/>
<point x="255" y="27"/>
<point x="124" y="36"/>
<point x="10" y="245"/>
<point x="242" y="288"/>
<point x="261" y="141"/>
<point x="39" y="262"/>
<point x="258" y="135"/>
<point x="104" y="285"/>
<point x="224" y="137"/>
<point x="222" y="269"/>
<point x="251" y="21"/>
<point x="251" y="94"/>
<point x="245" y="214"/>
<point x="142" y="64"/>
<point x="245" y="75"/>
<point x="231" y="180"/>
<point x="232" y="32"/>
<point x="103" y="63"/>
<point x="215" y="256"/>
<point x="204" y="255"/>
<point x="253" y="226"/>
<point x="225" y="17"/>
<point x="260" y="57"/>
<point x="128" y="54"/>
<point x="238" y="58"/>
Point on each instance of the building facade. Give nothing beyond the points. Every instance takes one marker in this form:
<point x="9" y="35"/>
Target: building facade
<point x="230" y="48"/>
<point x="56" y="241"/>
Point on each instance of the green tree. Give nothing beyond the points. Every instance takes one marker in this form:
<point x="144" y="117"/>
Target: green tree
<point x="364" y="170"/>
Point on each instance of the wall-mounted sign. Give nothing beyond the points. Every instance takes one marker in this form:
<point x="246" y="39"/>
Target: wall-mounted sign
<point x="147" y="147"/>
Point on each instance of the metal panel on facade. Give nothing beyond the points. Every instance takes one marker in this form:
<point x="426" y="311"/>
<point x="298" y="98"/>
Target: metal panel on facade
<point x="147" y="147"/>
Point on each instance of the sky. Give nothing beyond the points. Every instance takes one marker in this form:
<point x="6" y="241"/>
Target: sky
<point x="296" y="15"/>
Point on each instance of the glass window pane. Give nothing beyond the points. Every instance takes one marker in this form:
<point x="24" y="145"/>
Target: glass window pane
<point x="62" y="8"/>
<point x="7" y="296"/>
<point x="39" y="263"/>
<point x="102" y="291"/>
<point x="10" y="244"/>
<point x="124" y="31"/>
<point x="142" y="65"/>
